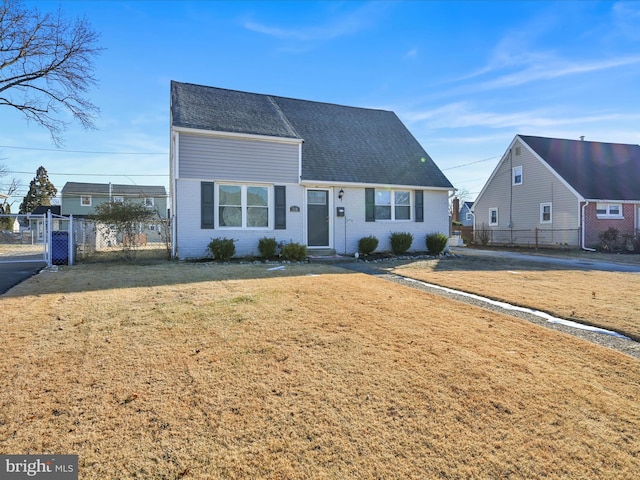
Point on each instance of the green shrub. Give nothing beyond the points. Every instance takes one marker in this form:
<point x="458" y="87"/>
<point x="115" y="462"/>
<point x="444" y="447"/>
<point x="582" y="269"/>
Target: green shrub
<point x="400" y="242"/>
<point x="222" y="248"/>
<point x="267" y="247"/>
<point x="294" y="252"/>
<point x="436" y="243"/>
<point x="367" y="245"/>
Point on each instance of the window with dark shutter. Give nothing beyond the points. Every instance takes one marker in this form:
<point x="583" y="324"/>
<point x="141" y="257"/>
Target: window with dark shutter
<point x="419" y="194"/>
<point x="370" y="204"/>
<point x="280" y="193"/>
<point x="207" y="205"/>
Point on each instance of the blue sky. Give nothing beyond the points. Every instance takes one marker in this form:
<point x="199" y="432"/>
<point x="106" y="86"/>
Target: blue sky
<point x="464" y="76"/>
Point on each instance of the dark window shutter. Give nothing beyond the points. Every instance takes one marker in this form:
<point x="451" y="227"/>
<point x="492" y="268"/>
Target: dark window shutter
<point x="419" y="205"/>
<point x="369" y="205"/>
<point x="207" y="206"/>
<point x="280" y="207"/>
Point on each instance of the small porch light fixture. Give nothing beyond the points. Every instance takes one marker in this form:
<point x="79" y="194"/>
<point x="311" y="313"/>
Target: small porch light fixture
<point x="341" y="194"/>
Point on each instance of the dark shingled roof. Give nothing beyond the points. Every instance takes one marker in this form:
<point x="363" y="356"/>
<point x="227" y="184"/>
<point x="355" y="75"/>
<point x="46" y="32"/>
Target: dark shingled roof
<point x="43" y="209"/>
<point x="341" y="143"/>
<point x="596" y="170"/>
<point x="77" y="188"/>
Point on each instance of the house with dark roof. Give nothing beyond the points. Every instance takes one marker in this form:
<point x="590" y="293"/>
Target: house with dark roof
<point x="566" y="191"/>
<point x="247" y="165"/>
<point x="81" y="199"/>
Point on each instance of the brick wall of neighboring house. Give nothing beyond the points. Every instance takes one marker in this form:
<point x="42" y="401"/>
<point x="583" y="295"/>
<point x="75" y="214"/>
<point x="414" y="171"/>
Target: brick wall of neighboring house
<point x="595" y="225"/>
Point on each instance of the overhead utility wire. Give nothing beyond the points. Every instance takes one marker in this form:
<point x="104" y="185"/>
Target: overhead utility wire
<point x="471" y="163"/>
<point x="83" y="151"/>
<point x="99" y="174"/>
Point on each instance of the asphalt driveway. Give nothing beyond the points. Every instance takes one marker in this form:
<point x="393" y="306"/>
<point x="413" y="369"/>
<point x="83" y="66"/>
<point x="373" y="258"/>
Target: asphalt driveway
<point x="578" y="263"/>
<point x="12" y="274"/>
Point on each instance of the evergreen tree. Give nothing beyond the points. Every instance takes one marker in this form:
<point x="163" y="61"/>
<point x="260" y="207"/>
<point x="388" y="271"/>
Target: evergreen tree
<point x="41" y="191"/>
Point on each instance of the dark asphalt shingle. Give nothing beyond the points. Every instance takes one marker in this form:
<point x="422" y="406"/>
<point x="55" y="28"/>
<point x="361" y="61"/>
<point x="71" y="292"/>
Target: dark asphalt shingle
<point x="341" y="143"/>
<point x="80" y="188"/>
<point x="596" y="170"/>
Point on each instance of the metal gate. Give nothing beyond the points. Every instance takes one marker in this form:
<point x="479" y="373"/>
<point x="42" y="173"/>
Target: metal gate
<point x="36" y="238"/>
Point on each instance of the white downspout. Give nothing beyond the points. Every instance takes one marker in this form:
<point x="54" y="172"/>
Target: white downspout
<point x="583" y="229"/>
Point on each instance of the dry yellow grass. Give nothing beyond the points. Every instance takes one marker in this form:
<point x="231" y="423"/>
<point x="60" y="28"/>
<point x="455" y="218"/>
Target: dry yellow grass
<point x="603" y="299"/>
<point x="197" y="371"/>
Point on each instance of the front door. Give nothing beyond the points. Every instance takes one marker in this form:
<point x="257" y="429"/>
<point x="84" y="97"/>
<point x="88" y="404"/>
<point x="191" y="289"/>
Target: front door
<point x="317" y="218"/>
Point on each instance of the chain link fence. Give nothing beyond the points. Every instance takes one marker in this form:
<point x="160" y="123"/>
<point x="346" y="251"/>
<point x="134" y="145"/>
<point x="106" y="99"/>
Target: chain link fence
<point x="535" y="237"/>
<point x="98" y="242"/>
<point x="23" y="238"/>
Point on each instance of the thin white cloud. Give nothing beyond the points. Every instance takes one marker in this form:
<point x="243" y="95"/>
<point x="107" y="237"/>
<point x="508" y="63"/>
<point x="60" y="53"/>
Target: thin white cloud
<point x="411" y="53"/>
<point x="627" y="18"/>
<point x="462" y="115"/>
<point x="539" y="72"/>
<point x="336" y="27"/>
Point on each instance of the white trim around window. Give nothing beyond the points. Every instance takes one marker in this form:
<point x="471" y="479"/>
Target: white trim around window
<point x="85" y="200"/>
<point x="493" y="216"/>
<point x="393" y="205"/>
<point x="546" y="212"/>
<point x="243" y="206"/>
<point x="609" y="210"/>
<point x="517" y="175"/>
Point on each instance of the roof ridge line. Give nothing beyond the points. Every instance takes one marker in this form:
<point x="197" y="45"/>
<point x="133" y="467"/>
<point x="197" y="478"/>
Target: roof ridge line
<point x="282" y="115"/>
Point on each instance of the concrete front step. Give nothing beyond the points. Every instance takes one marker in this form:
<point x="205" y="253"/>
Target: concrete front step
<point x="315" y="256"/>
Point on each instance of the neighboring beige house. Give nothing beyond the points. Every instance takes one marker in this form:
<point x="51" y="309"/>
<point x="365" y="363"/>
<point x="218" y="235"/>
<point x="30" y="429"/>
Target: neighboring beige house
<point x="550" y="191"/>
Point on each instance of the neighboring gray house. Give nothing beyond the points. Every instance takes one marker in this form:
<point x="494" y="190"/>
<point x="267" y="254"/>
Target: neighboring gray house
<point x="81" y="199"/>
<point x="566" y="191"/>
<point x="247" y="166"/>
<point x="466" y="214"/>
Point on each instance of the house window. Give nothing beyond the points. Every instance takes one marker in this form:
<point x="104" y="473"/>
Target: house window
<point x="518" y="151"/>
<point x="493" y="216"/>
<point x="609" y="210"/>
<point x="393" y="205"/>
<point x="545" y="213"/>
<point x="243" y="206"/>
<point x="85" y="200"/>
<point x="148" y="202"/>
<point x="469" y="216"/>
<point x="118" y="199"/>
<point x="517" y="175"/>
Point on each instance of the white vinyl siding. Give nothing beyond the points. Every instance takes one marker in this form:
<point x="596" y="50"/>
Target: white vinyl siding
<point x="192" y="240"/>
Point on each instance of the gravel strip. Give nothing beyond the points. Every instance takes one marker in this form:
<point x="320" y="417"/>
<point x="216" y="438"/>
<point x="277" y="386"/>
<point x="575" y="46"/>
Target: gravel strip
<point x="628" y="346"/>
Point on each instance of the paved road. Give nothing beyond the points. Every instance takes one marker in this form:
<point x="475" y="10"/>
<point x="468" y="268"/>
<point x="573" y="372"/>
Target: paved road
<point x="581" y="263"/>
<point x="12" y="274"/>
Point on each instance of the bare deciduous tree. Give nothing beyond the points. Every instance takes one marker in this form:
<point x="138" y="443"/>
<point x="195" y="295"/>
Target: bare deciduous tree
<point x="46" y="66"/>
